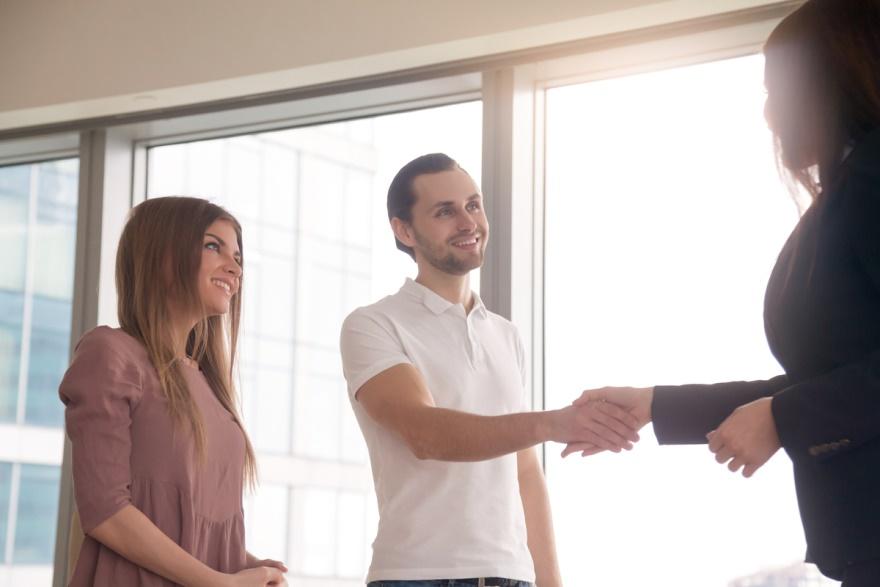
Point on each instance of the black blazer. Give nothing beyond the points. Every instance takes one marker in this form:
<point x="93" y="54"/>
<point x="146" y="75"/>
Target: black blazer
<point x="822" y="319"/>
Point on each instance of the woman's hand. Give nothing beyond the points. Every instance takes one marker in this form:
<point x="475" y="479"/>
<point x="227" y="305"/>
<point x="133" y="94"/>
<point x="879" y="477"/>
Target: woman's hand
<point x="747" y="438"/>
<point x="253" y="561"/>
<point x="263" y="576"/>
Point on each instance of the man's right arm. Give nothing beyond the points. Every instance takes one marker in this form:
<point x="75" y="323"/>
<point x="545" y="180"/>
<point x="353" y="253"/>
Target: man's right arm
<point x="399" y="400"/>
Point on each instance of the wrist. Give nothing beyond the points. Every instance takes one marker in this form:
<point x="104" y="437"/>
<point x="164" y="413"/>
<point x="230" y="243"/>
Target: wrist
<point x="648" y="403"/>
<point x="212" y="578"/>
<point x="545" y="425"/>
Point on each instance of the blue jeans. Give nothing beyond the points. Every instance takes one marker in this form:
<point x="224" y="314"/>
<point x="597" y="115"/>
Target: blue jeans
<point x="451" y="583"/>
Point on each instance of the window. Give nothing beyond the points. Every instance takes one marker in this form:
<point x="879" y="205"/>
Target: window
<point x="37" y="513"/>
<point x="39" y="211"/>
<point x="664" y="216"/>
<point x="5" y="487"/>
<point x="316" y="245"/>
<point x="38" y="205"/>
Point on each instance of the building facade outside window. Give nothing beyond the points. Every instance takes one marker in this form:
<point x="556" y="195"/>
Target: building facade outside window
<point x="38" y="206"/>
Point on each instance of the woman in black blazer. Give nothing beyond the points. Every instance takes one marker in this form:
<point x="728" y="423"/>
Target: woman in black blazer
<point x="822" y="306"/>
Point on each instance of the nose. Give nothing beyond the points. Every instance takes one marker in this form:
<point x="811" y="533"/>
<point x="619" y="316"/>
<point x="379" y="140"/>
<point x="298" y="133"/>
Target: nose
<point x="232" y="268"/>
<point x="466" y="223"/>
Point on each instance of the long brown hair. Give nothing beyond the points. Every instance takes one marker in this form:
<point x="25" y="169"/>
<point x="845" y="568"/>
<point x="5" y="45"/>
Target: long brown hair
<point x="831" y="52"/>
<point x="157" y="263"/>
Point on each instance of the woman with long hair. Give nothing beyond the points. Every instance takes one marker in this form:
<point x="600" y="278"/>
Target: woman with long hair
<point x="160" y="457"/>
<point x="822" y="305"/>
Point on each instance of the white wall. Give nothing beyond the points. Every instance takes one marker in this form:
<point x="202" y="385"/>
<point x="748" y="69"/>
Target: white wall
<point x="68" y="59"/>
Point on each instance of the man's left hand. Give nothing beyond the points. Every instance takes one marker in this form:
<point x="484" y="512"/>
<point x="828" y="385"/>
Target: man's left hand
<point x="747" y="438"/>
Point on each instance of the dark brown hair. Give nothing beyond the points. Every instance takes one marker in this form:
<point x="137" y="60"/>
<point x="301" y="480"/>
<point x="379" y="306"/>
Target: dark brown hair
<point x="401" y="196"/>
<point x="157" y="262"/>
<point x="830" y="50"/>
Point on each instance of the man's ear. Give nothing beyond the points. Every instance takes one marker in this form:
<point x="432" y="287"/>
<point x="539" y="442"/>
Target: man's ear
<point x="403" y="231"/>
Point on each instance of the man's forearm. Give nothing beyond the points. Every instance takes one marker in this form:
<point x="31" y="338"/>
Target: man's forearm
<point x="449" y="435"/>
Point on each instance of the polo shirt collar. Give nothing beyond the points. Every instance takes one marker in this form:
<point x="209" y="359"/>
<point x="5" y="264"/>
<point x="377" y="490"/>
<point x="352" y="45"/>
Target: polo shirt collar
<point x="435" y="302"/>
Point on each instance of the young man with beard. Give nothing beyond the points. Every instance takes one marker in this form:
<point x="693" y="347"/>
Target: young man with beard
<point x="437" y="383"/>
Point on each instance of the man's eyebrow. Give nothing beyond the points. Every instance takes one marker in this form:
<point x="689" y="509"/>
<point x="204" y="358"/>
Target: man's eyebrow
<point x="222" y="242"/>
<point x="472" y="197"/>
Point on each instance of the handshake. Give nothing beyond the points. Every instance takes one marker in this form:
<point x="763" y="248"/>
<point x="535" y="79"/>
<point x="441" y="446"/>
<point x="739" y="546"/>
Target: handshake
<point x="602" y="419"/>
<point x="609" y="418"/>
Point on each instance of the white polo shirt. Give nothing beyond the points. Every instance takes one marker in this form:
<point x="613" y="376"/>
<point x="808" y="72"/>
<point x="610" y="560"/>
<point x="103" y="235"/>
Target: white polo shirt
<point x="441" y="520"/>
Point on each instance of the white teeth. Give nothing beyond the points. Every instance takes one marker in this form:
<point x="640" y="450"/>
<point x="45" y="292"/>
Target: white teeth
<point x="222" y="284"/>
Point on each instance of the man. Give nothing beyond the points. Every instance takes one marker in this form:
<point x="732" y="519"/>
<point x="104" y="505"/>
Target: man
<point x="437" y="383"/>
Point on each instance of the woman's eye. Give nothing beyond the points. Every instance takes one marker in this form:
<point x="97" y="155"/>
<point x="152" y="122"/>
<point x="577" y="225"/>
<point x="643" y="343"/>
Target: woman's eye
<point x="212" y="246"/>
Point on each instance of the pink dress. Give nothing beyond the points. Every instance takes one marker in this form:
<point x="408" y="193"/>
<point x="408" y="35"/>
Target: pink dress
<point x="126" y="450"/>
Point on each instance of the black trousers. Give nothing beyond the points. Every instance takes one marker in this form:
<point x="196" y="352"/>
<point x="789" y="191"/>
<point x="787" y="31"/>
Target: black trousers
<point x="863" y="574"/>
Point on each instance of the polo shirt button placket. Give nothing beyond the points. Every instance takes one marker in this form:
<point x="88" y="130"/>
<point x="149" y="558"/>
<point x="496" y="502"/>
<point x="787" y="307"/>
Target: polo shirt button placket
<point x="472" y="341"/>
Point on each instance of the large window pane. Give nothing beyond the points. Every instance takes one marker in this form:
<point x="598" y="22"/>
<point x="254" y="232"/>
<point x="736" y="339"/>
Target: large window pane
<point x="37" y="234"/>
<point x="317" y="245"/>
<point x="264" y="534"/>
<point x="665" y="214"/>
<point x="38" y="205"/>
<point x="11" y="310"/>
<point x="37" y="514"/>
<point x="5" y="488"/>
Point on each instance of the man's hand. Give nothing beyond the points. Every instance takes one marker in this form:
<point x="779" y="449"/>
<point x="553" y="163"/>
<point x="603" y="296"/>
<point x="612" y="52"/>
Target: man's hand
<point x="636" y="401"/>
<point x="747" y="438"/>
<point x="599" y="424"/>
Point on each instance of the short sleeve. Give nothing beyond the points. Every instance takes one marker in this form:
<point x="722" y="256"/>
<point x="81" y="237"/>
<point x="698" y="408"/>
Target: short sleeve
<point x="99" y="391"/>
<point x="367" y="349"/>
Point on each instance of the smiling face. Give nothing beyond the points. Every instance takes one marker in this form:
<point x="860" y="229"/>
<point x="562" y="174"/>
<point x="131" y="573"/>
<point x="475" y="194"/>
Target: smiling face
<point x="219" y="275"/>
<point x="449" y="230"/>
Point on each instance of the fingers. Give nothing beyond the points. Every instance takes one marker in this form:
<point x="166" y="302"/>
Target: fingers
<point x="273" y="576"/>
<point x="723" y="455"/>
<point x="725" y="452"/>
<point x="590" y="452"/>
<point x="582" y="447"/>
<point x="735" y="464"/>
<point x="749" y="470"/>
<point x="623" y="422"/>
<point x="605" y="439"/>
<point x="715" y="441"/>
<point x="604" y="430"/>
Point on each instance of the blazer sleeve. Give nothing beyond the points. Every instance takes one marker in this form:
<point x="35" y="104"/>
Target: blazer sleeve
<point x="840" y="410"/>
<point x="99" y="390"/>
<point x="684" y="414"/>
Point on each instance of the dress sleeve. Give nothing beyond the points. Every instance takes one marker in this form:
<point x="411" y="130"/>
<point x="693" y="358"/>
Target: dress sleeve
<point x="684" y="414"/>
<point x="367" y="348"/>
<point x="100" y="389"/>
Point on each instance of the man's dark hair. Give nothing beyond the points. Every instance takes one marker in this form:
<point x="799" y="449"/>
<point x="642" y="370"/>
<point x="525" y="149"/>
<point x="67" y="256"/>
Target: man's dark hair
<point x="401" y="196"/>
